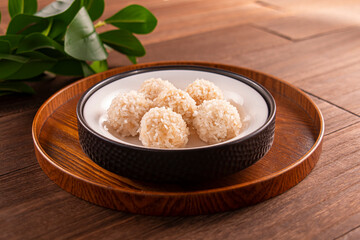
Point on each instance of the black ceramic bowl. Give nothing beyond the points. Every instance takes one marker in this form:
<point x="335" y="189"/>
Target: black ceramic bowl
<point x="198" y="161"/>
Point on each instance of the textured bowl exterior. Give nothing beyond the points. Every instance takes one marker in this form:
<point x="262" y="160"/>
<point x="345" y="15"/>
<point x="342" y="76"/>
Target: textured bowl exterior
<point x="177" y="166"/>
<point x="180" y="165"/>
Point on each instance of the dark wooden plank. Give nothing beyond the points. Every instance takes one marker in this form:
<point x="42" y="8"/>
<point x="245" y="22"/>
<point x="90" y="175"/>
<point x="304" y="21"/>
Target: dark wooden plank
<point x="39" y="208"/>
<point x="335" y="9"/>
<point x="301" y="26"/>
<point x="12" y="104"/>
<point x="307" y="18"/>
<point x="353" y="234"/>
<point x="340" y="86"/>
<point x="347" y="223"/>
<point x="335" y="118"/>
<point x="192" y="19"/>
<point x="16" y="145"/>
<point x="325" y="66"/>
<point x="212" y="46"/>
<point x="305" y="59"/>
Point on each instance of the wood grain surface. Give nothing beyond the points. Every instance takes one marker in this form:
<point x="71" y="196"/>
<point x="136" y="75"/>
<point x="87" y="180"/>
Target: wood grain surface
<point x="314" y="45"/>
<point x="296" y="149"/>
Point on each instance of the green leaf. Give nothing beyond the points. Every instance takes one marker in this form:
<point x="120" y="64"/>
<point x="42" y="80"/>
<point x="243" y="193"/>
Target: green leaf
<point x="87" y="70"/>
<point x="63" y="10"/>
<point x="22" y="6"/>
<point x="43" y="76"/>
<point x="26" y="24"/>
<point x="37" y="64"/>
<point x="15" y="58"/>
<point x="8" y="67"/>
<point x="17" y="87"/>
<point x="12" y="39"/>
<point x="55" y="8"/>
<point x="99" y="66"/>
<point x="68" y="67"/>
<point x="124" y="42"/>
<point x="81" y="40"/>
<point x="4" y="93"/>
<point x="5" y="47"/>
<point x="134" y="18"/>
<point x="47" y="30"/>
<point x="57" y="30"/>
<point x="53" y="53"/>
<point x="95" y="8"/>
<point x="35" y="41"/>
<point x="132" y="59"/>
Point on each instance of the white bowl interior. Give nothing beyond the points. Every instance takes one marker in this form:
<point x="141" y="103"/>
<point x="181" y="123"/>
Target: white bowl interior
<point x="251" y="105"/>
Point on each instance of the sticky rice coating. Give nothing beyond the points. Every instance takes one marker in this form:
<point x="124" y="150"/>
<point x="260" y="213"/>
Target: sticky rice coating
<point x="163" y="128"/>
<point x="126" y="111"/>
<point x="201" y="90"/>
<point x="217" y="121"/>
<point x="179" y="101"/>
<point x="151" y="88"/>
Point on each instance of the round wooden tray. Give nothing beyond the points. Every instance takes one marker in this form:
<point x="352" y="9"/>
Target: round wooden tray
<point x="296" y="149"/>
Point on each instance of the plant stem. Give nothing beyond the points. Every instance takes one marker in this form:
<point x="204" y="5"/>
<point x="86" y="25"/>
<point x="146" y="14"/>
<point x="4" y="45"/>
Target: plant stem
<point x="100" y="24"/>
<point x="47" y="30"/>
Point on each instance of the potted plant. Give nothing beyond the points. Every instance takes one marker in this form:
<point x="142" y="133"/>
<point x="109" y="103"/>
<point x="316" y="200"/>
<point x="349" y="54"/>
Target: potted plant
<point x="62" y="39"/>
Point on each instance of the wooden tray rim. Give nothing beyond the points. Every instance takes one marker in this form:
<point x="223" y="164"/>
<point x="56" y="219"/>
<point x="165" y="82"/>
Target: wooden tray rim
<point x="37" y="144"/>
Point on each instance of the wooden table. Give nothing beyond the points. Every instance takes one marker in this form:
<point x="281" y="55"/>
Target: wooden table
<point x="315" y="45"/>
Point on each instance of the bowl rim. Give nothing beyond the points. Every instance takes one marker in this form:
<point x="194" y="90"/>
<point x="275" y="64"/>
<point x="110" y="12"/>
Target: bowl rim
<point x="265" y="94"/>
